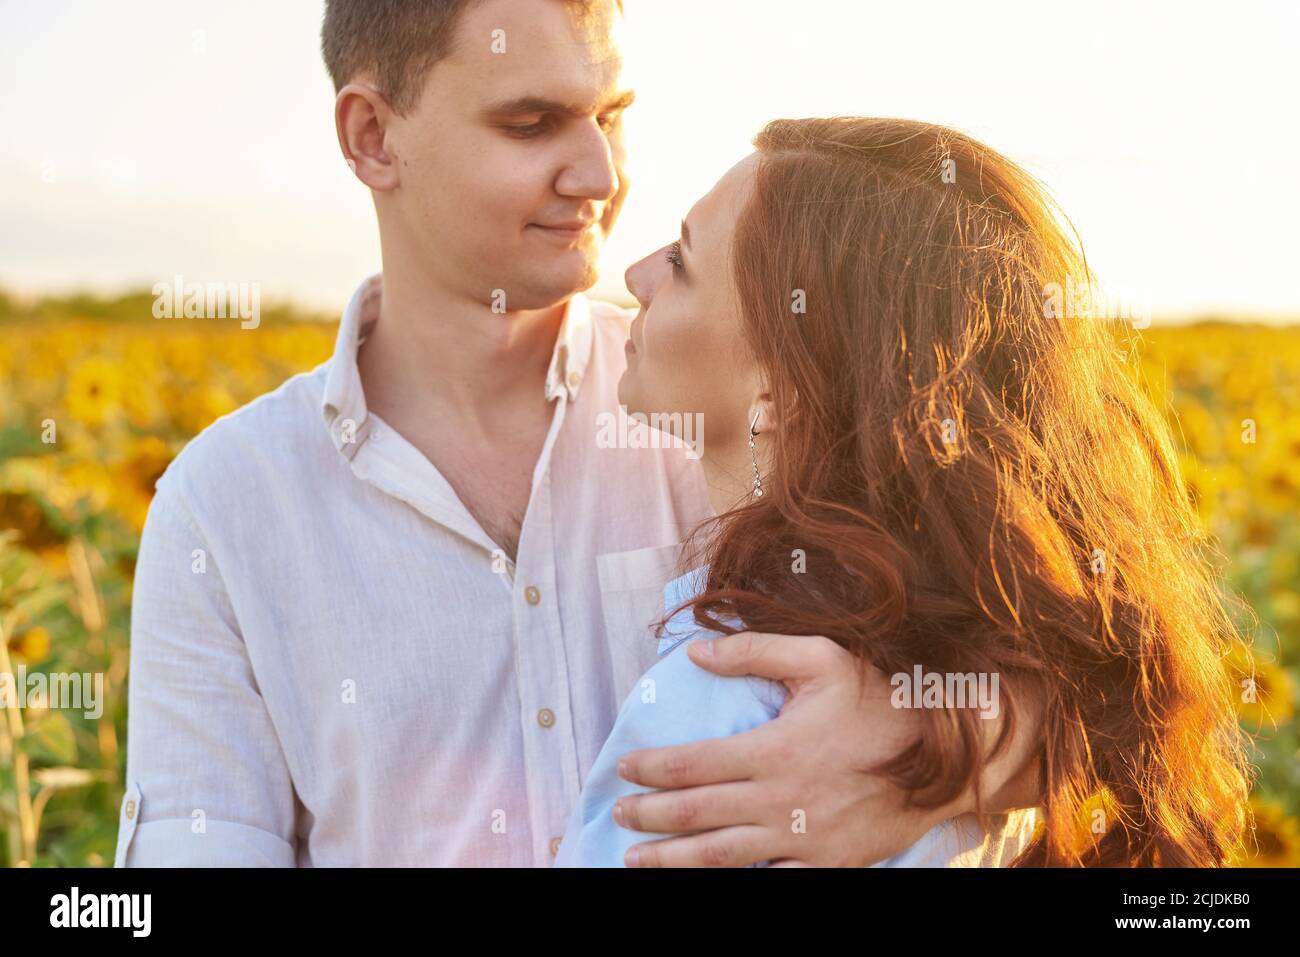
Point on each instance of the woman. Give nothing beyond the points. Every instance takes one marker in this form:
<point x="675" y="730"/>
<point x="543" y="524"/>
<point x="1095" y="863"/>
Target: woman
<point x="911" y="453"/>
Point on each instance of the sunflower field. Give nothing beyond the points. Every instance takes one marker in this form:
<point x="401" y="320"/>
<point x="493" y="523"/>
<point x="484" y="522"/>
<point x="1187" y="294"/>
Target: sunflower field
<point x="95" y="401"/>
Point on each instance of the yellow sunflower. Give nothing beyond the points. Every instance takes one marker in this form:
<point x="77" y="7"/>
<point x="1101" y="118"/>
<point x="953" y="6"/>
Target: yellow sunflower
<point x="1265" y="695"/>
<point x="94" y="393"/>
<point x="31" y="646"/>
<point x="136" y="476"/>
<point x="1275" y="841"/>
<point x="23" y="513"/>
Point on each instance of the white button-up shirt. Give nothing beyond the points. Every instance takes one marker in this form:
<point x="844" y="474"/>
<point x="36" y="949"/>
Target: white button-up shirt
<point x="332" y="663"/>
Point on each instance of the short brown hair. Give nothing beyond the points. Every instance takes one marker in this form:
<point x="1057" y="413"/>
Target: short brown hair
<point x="398" y="41"/>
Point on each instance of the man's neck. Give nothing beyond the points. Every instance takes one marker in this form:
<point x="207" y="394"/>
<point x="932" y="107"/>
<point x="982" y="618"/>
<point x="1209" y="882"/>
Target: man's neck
<point x="433" y="353"/>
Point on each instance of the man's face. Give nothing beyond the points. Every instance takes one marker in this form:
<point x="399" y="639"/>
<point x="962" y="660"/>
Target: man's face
<point x="510" y="165"/>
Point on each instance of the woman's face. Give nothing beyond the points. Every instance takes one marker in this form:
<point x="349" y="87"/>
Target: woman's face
<point x="686" y="354"/>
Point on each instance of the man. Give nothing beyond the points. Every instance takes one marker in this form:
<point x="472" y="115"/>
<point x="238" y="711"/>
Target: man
<point x="386" y="614"/>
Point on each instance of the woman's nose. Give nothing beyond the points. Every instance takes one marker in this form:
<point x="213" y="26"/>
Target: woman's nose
<point x="640" y="280"/>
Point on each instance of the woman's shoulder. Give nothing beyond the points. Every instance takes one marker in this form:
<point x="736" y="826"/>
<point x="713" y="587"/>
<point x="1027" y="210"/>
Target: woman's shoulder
<point x="686" y="702"/>
<point x="675" y="664"/>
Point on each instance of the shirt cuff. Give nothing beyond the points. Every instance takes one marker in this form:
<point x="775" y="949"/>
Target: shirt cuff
<point x="172" y="842"/>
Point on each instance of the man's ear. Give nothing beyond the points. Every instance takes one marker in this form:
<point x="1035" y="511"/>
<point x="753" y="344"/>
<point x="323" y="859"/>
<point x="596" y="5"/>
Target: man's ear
<point x="361" y="118"/>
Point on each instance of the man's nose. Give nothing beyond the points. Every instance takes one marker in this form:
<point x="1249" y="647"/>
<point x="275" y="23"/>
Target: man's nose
<point x="592" y="172"/>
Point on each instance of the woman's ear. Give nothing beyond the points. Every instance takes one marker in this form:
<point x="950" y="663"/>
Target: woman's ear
<point x="762" y="414"/>
<point x="361" y="119"/>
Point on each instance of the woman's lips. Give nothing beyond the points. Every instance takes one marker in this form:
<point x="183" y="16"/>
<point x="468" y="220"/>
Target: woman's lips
<point x="628" y="347"/>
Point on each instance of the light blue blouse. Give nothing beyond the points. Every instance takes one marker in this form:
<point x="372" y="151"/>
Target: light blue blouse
<point x="677" y="702"/>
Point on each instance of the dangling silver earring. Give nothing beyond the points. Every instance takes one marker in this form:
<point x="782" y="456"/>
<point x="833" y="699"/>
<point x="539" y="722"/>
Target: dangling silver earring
<point x="758" y="482"/>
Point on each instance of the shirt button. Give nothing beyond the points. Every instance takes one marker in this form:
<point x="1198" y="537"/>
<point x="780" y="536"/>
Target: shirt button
<point x="546" y="717"/>
<point x="532" y="594"/>
<point x="130" y="810"/>
<point x="574" y="379"/>
<point x="555" y="845"/>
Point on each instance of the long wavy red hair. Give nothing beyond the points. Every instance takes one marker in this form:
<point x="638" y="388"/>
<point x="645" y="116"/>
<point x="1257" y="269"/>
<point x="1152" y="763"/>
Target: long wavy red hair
<point x="976" y="485"/>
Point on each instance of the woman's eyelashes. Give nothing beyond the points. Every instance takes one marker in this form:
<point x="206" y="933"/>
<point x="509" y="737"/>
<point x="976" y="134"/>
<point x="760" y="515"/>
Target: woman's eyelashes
<point x="675" y="255"/>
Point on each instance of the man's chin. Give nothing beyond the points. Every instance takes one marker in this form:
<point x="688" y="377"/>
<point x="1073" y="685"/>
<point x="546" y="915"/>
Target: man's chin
<point x="554" y="286"/>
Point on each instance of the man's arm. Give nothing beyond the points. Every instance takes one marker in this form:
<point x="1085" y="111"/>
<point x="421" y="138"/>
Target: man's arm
<point x="206" y="781"/>
<point x="790" y="791"/>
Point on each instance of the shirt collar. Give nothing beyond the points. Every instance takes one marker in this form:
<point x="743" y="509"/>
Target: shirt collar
<point x="344" y="402"/>
<point x="572" y="349"/>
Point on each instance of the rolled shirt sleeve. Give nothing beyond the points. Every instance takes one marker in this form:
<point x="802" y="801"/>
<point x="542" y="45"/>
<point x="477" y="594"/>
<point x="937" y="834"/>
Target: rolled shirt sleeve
<point x="207" y="784"/>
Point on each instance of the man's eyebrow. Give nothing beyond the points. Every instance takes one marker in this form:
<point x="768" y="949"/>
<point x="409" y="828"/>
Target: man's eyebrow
<point x="523" y="105"/>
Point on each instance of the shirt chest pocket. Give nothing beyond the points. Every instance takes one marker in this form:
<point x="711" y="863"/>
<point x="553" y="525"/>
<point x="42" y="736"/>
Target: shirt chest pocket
<point x="632" y="602"/>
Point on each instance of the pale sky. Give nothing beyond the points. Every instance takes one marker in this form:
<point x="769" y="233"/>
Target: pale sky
<point x="148" y="138"/>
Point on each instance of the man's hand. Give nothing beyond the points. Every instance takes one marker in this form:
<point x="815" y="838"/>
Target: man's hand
<point x="793" y="791"/>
